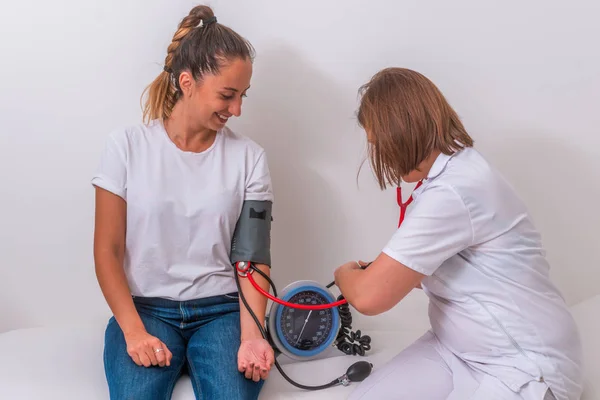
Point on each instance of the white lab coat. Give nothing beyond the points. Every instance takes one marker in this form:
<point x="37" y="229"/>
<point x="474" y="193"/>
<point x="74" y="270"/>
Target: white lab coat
<point x="500" y="329"/>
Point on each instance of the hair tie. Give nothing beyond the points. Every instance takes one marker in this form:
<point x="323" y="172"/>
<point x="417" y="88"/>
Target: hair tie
<point x="167" y="70"/>
<point x="206" y="22"/>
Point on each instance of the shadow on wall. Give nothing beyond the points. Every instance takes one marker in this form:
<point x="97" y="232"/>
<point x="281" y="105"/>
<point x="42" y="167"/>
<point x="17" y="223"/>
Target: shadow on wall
<point x="562" y="191"/>
<point x="295" y="113"/>
<point x="13" y="316"/>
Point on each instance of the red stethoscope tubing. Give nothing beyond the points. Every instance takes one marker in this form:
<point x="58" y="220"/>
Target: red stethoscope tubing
<point x="293" y="305"/>
<point x="248" y="272"/>
<point x="404" y="205"/>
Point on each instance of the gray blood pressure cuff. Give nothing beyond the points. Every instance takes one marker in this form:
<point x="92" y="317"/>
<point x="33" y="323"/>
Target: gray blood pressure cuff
<point x="252" y="236"/>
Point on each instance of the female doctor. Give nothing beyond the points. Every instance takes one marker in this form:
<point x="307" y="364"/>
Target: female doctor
<point x="499" y="327"/>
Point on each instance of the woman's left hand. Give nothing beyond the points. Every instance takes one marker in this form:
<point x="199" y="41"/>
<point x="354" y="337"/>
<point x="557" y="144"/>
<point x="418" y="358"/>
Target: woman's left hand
<point x="255" y="358"/>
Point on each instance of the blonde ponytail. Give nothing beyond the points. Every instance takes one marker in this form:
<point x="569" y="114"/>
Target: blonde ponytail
<point x="161" y="98"/>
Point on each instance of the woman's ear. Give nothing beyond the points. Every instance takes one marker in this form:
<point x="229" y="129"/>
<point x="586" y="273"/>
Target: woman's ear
<point x="186" y="82"/>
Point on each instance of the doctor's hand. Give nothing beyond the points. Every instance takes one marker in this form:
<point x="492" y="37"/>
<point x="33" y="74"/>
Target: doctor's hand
<point x="349" y="266"/>
<point x="255" y="358"/>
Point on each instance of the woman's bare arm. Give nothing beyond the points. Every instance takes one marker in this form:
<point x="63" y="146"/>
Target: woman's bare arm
<point x="109" y="252"/>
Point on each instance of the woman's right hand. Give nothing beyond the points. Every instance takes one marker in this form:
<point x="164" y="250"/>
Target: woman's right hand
<point x="142" y="348"/>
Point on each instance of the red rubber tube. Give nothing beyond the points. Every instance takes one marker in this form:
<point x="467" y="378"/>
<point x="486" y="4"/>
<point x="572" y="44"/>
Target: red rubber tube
<point x="293" y="305"/>
<point x="404" y="205"/>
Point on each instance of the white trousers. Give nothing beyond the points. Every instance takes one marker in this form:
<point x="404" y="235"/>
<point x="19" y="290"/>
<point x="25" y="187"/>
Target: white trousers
<point x="426" y="370"/>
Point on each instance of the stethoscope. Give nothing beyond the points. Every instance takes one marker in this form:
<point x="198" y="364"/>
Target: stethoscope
<point x="404" y="205"/>
<point x="332" y="316"/>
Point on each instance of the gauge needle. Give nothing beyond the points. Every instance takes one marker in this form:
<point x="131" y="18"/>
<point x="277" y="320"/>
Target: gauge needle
<point x="303" y="326"/>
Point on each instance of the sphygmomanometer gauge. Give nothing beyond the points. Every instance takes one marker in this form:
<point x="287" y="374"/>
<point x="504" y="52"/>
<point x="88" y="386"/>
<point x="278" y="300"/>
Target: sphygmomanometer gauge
<point x="299" y="333"/>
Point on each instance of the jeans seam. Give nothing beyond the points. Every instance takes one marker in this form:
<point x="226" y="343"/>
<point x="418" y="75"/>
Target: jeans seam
<point x="182" y="324"/>
<point x="172" y="383"/>
<point x="195" y="378"/>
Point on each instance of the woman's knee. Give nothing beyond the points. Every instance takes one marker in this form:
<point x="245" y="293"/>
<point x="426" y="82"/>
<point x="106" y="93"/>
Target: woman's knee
<point x="212" y="359"/>
<point x="128" y="380"/>
<point x="221" y="380"/>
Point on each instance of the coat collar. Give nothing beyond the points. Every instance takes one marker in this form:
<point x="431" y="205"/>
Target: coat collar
<point x="439" y="165"/>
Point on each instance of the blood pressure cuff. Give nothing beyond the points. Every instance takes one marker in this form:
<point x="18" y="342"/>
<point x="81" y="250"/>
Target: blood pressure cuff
<point x="252" y="236"/>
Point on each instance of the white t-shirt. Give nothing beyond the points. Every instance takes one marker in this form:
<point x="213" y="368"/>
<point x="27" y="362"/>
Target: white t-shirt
<point x="182" y="207"/>
<point x="491" y="299"/>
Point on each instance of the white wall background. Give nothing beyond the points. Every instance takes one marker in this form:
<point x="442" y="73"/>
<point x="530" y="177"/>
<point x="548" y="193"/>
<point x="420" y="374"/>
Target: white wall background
<point x="524" y="76"/>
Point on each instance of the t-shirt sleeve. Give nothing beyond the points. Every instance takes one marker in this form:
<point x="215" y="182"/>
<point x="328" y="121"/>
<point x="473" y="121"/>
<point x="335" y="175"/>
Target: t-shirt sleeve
<point x="258" y="181"/>
<point x="111" y="173"/>
<point x="436" y="228"/>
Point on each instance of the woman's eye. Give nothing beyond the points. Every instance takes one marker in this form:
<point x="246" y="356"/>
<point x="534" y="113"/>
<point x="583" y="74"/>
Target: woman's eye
<point x="230" y="97"/>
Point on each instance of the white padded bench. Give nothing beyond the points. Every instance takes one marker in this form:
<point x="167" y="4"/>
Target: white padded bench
<point x="62" y="363"/>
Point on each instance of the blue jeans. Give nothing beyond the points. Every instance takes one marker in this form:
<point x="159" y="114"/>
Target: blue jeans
<point x="204" y="337"/>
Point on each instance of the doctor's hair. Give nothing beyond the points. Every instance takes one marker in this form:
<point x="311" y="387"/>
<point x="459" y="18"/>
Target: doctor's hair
<point x="406" y="117"/>
<point x="201" y="46"/>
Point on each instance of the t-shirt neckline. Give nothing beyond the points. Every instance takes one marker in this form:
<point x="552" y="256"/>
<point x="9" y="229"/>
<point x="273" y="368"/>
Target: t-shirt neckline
<point x="165" y="134"/>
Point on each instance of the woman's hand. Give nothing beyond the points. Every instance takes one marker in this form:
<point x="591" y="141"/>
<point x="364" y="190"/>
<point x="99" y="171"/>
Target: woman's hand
<point x="142" y="348"/>
<point x="255" y="358"/>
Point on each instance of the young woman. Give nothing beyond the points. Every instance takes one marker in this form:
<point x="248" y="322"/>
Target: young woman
<point x="499" y="327"/>
<point x="169" y="193"/>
